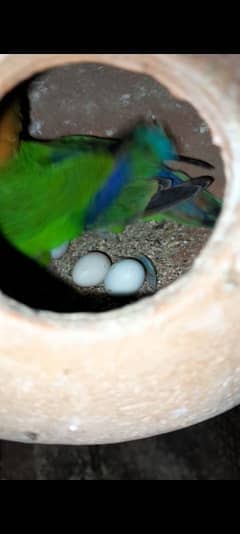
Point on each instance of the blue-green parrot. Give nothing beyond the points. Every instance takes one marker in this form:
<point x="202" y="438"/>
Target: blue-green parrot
<point x="53" y="191"/>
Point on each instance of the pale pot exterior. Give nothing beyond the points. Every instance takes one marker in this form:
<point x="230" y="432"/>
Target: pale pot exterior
<point x="161" y="364"/>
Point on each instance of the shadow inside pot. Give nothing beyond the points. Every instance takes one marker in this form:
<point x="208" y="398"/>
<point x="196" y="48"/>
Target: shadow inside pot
<point x="22" y="279"/>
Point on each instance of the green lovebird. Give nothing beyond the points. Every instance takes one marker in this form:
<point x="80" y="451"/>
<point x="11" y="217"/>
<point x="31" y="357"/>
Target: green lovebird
<point x="53" y="191"/>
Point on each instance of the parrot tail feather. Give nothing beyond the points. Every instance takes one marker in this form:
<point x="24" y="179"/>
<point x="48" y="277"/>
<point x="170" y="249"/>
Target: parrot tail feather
<point x="166" y="198"/>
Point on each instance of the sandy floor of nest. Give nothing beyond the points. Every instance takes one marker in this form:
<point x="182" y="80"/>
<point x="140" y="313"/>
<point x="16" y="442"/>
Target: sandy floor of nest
<point x="172" y="247"/>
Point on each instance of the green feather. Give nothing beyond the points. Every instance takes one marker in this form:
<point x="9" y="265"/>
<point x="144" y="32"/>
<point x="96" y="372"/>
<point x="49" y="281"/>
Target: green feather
<point x="42" y="204"/>
<point x="47" y="188"/>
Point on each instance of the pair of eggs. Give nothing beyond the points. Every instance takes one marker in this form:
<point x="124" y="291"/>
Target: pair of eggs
<point x="123" y="278"/>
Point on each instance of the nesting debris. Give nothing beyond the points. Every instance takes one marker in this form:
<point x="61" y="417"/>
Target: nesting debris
<point x="171" y="247"/>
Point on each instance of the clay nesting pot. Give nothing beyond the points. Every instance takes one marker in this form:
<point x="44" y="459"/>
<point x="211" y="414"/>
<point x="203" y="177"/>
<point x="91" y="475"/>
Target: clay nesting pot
<point x="161" y="364"/>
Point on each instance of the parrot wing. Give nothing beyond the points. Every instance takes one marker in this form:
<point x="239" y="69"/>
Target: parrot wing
<point x="202" y="210"/>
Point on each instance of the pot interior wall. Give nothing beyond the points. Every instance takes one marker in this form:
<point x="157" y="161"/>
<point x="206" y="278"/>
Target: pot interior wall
<point x="102" y="100"/>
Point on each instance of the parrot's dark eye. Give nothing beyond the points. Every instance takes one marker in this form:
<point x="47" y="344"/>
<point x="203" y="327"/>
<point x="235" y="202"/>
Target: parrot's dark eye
<point x="144" y="156"/>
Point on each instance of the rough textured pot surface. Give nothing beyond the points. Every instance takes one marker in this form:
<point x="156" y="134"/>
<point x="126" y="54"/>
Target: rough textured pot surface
<point x="161" y="364"/>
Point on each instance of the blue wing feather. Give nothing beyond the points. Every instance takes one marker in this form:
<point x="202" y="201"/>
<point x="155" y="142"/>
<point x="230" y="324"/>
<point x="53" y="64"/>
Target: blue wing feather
<point x="109" y="192"/>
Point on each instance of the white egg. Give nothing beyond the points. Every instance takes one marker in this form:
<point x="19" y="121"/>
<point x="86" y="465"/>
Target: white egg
<point x="91" y="269"/>
<point x="58" y="252"/>
<point x="124" y="277"/>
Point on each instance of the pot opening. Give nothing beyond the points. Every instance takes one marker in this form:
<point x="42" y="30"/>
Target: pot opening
<point x="98" y="100"/>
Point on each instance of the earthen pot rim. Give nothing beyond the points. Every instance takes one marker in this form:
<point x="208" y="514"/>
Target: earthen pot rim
<point x="164" y="363"/>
